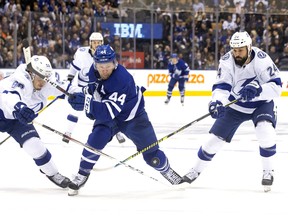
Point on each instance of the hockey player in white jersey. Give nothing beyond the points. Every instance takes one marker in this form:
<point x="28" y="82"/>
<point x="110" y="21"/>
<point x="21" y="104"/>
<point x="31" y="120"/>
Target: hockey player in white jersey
<point x="83" y="59"/>
<point x="248" y="74"/>
<point x="22" y="96"/>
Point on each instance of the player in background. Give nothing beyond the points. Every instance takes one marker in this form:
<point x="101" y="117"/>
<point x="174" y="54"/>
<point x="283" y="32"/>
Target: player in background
<point x="83" y="59"/>
<point x="117" y="104"/>
<point x="22" y="95"/>
<point x="246" y="73"/>
<point x="179" y="72"/>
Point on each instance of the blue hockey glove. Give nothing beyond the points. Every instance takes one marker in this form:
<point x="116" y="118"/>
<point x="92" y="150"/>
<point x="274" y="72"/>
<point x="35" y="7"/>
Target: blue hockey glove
<point x="216" y="109"/>
<point x="77" y="100"/>
<point x="23" y="113"/>
<point x="251" y="90"/>
<point x="175" y="76"/>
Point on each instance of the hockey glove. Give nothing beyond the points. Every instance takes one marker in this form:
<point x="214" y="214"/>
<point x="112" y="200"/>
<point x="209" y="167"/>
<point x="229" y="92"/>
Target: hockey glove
<point x="87" y="105"/>
<point x="77" y="100"/>
<point x="216" y="109"/>
<point x="86" y="90"/>
<point x="23" y="113"/>
<point x="70" y="77"/>
<point x="175" y="76"/>
<point x="250" y="91"/>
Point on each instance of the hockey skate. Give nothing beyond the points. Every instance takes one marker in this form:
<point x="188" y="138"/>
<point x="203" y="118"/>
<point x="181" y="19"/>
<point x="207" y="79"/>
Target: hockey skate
<point x="182" y="100"/>
<point x="267" y="179"/>
<point x="191" y="176"/>
<point x="167" y="100"/>
<point x="59" y="180"/>
<point x="173" y="177"/>
<point x="78" y="182"/>
<point x="65" y="139"/>
<point x="120" y="138"/>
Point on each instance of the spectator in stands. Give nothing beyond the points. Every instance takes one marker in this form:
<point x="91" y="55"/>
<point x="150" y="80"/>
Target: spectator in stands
<point x="198" y="6"/>
<point x="229" y="24"/>
<point x="263" y="2"/>
<point x="283" y="59"/>
<point x="224" y="5"/>
<point x="210" y="62"/>
<point x="273" y="54"/>
<point x="240" y="2"/>
<point x="199" y="64"/>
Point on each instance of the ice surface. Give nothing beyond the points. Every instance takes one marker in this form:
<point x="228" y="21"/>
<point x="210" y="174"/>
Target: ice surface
<point x="231" y="184"/>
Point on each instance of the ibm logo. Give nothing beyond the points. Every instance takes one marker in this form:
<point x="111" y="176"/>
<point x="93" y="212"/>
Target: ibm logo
<point x="127" y="30"/>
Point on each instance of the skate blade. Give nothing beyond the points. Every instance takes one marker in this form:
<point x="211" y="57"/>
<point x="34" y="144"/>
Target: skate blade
<point x="72" y="192"/>
<point x="267" y="188"/>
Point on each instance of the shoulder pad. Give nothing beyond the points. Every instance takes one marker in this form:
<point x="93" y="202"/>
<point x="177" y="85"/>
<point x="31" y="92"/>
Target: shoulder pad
<point x="226" y="56"/>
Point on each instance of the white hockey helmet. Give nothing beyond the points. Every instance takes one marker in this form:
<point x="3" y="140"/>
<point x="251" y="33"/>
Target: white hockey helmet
<point x="42" y="65"/>
<point x="241" y="39"/>
<point x="96" y="36"/>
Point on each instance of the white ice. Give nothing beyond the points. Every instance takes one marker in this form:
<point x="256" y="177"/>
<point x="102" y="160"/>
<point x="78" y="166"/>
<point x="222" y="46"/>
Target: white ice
<point x="231" y="184"/>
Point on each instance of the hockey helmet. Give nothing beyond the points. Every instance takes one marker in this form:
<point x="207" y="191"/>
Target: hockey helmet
<point x="174" y="55"/>
<point x="104" y="54"/>
<point x="96" y="36"/>
<point x="241" y="39"/>
<point x="42" y="65"/>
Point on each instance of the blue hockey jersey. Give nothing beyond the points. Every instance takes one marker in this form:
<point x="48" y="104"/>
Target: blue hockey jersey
<point x="181" y="69"/>
<point x="117" y="97"/>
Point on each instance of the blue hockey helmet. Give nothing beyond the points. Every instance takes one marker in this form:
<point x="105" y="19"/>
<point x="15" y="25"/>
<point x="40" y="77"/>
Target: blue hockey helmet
<point x="104" y="54"/>
<point x="174" y="55"/>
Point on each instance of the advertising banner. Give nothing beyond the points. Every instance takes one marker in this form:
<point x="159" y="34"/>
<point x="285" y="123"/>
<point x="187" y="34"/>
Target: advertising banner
<point x="141" y="30"/>
<point x="156" y="81"/>
<point x="128" y="60"/>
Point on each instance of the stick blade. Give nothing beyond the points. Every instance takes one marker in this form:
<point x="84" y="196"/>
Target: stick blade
<point x="26" y="51"/>
<point x="25" y="43"/>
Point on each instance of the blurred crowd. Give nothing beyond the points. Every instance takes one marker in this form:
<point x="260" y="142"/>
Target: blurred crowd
<point x="190" y="28"/>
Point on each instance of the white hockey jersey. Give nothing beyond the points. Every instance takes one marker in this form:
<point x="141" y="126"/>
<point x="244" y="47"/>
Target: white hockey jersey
<point x="231" y="78"/>
<point x="81" y="64"/>
<point x="19" y="87"/>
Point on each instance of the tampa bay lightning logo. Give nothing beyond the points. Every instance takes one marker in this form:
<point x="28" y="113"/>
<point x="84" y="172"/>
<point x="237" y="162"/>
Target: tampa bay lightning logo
<point x="82" y="49"/>
<point x="261" y="55"/>
<point x="83" y="74"/>
<point x="226" y="56"/>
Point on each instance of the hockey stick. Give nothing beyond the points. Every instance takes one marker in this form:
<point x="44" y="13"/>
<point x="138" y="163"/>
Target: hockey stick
<point x="163" y="138"/>
<point x="96" y="151"/>
<point x="27" y="56"/>
<point x="38" y="113"/>
<point x="26" y="51"/>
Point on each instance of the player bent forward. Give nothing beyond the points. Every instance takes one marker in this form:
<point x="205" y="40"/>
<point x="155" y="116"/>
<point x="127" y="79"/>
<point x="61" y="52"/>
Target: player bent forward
<point x="22" y="96"/>
<point x="78" y="73"/>
<point x="248" y="73"/>
<point x="117" y="104"/>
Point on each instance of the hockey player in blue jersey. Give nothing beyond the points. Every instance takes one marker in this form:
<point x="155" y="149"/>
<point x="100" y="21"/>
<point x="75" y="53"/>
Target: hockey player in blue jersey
<point x="248" y="74"/>
<point x="78" y="73"/>
<point x="117" y="104"/>
<point x="179" y="72"/>
<point x="22" y="95"/>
